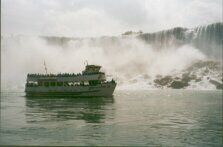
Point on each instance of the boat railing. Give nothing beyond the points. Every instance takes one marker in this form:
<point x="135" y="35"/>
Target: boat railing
<point x="92" y="73"/>
<point x="62" y="74"/>
<point x="54" y="75"/>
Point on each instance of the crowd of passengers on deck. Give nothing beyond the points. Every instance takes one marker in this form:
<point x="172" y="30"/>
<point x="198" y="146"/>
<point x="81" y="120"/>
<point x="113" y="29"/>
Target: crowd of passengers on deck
<point x="54" y="75"/>
<point x="61" y="74"/>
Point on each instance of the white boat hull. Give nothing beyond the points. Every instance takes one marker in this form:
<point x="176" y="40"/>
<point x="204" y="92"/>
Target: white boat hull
<point x="105" y="89"/>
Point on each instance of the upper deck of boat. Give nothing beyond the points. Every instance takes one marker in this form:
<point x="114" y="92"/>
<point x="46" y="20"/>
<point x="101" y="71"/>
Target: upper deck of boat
<point x="91" y="72"/>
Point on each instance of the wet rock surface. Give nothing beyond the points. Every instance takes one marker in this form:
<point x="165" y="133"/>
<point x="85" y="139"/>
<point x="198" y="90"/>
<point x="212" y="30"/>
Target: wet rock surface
<point x="178" y="84"/>
<point x="199" y="72"/>
<point x="163" y="81"/>
<point x="216" y="83"/>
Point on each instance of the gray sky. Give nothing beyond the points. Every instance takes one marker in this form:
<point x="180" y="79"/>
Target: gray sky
<point x="85" y="18"/>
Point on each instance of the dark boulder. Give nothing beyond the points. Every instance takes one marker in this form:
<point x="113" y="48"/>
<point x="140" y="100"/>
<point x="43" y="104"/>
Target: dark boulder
<point x="165" y="81"/>
<point x="178" y="84"/>
<point x="216" y="83"/>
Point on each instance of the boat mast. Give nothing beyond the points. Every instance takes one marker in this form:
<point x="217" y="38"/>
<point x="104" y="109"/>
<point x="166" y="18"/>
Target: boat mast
<point x="45" y="66"/>
<point x="86" y="62"/>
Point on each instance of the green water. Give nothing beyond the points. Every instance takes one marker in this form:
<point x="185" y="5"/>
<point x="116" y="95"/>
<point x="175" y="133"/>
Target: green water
<point x="159" y="117"/>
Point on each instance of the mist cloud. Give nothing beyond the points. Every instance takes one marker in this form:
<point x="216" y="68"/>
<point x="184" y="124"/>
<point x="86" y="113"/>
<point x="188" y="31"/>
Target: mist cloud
<point x="83" y="18"/>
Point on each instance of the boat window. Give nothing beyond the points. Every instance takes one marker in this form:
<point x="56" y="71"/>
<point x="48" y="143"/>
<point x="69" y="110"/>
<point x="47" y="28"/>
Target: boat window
<point x="40" y="83"/>
<point x="46" y="83"/>
<point x="52" y="84"/>
<point x="59" y="83"/>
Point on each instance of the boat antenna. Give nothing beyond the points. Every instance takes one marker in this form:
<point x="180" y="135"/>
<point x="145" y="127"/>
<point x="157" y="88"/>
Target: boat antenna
<point x="45" y="66"/>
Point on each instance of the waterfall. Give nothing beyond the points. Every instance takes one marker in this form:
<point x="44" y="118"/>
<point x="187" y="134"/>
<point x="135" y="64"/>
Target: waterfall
<point x="206" y="38"/>
<point x="151" y="59"/>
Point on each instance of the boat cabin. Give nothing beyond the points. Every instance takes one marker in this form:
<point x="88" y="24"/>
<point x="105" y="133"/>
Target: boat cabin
<point x="91" y="69"/>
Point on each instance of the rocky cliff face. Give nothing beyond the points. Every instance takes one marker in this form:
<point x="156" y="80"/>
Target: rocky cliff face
<point x="196" y="74"/>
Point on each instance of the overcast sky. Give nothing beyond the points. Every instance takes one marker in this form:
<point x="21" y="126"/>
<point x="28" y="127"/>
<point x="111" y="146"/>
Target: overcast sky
<point x="85" y="18"/>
